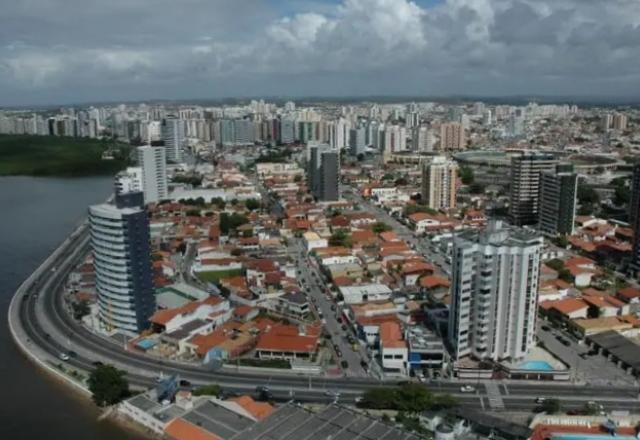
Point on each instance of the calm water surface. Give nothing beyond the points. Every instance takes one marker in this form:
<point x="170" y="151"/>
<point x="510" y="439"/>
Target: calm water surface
<point x="36" y="214"/>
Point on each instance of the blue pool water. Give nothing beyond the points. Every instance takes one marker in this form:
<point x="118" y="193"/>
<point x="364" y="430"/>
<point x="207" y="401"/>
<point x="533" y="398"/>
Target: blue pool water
<point x="536" y="365"/>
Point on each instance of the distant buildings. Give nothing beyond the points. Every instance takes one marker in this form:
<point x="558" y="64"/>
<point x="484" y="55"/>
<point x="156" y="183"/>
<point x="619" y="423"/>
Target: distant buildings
<point x="557" y="210"/>
<point x="122" y="260"/>
<point x="152" y="161"/>
<point x="172" y="132"/>
<point x="494" y="292"/>
<point x="452" y="136"/>
<point x="357" y="141"/>
<point x="129" y="180"/>
<point x="634" y="219"/>
<point x="616" y="121"/>
<point x="422" y="139"/>
<point x="525" y="186"/>
<point x="324" y="172"/>
<point x="439" y="183"/>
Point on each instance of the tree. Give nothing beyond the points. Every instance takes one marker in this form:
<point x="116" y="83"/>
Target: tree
<point x="621" y="196"/>
<point x="466" y="175"/>
<point x="219" y="202"/>
<point x="476" y="188"/>
<point x="551" y="406"/>
<point x="555" y="264"/>
<point x="410" y="397"/>
<point x="80" y="309"/>
<point x="562" y="241"/>
<point x="587" y="195"/>
<point x="340" y="238"/>
<point x="231" y="222"/>
<point x="297" y="178"/>
<point x="208" y="390"/>
<point x="381" y="227"/>
<point x="108" y="385"/>
<point x="252" y="204"/>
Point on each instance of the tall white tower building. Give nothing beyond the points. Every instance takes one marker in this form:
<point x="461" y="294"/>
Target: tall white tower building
<point x="152" y="162"/>
<point x="494" y="292"/>
<point x="173" y="137"/>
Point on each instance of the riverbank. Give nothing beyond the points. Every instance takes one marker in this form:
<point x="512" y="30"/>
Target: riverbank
<point x="27" y="155"/>
<point x="41" y="213"/>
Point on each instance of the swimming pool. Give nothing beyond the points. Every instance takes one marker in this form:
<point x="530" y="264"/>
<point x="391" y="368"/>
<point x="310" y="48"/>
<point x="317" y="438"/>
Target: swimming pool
<point x="535" y="365"/>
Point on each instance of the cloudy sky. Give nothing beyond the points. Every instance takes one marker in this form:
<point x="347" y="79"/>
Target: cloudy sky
<point x="63" y="51"/>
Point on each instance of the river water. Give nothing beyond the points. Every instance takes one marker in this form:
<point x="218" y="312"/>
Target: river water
<point x="36" y="214"/>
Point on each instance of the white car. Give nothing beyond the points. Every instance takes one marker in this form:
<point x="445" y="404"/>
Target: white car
<point x="467" y="389"/>
<point x="63" y="357"/>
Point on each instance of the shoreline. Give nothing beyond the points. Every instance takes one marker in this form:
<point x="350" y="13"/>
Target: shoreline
<point x="73" y="388"/>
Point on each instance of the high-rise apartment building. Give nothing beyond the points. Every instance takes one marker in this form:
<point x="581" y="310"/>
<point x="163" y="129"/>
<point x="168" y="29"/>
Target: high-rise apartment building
<point x="122" y="260"/>
<point x="357" y="141"/>
<point x="495" y="275"/>
<point x="153" y="164"/>
<point x="620" y="121"/>
<point x="452" y="136"/>
<point x="129" y="180"/>
<point x="323" y="173"/>
<point x="557" y="206"/>
<point x="421" y="140"/>
<point x="439" y="183"/>
<point x="525" y="186"/>
<point x="172" y="131"/>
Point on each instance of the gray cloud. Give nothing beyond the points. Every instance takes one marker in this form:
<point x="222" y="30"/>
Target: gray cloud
<point x="73" y="50"/>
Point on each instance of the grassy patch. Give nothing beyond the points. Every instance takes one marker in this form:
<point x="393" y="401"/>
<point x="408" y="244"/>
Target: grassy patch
<point x="214" y="276"/>
<point x="265" y="363"/>
<point x="59" y="156"/>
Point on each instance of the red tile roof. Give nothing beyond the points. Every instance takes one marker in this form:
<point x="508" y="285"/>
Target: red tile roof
<point x="391" y="335"/>
<point x="286" y="338"/>
<point x="180" y="429"/>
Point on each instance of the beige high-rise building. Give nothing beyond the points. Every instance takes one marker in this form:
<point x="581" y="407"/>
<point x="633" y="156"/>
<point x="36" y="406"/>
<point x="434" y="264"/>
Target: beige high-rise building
<point x="452" y="136"/>
<point x="620" y="121"/>
<point x="439" y="183"/>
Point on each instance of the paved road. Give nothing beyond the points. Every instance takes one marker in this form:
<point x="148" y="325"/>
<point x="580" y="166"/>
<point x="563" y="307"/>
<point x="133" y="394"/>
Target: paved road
<point x="315" y="288"/>
<point x="49" y="330"/>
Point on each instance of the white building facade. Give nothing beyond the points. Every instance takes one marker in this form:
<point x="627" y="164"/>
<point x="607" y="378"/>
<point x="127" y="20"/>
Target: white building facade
<point x="494" y="292"/>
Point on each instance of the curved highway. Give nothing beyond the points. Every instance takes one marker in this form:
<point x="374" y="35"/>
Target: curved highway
<point x="48" y="329"/>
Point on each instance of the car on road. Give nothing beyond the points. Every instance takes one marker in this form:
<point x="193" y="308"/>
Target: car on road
<point x="334" y="394"/>
<point x="546" y="328"/>
<point x="63" y="357"/>
<point x="339" y="353"/>
<point x="184" y="383"/>
<point x="72" y="353"/>
<point x="97" y="364"/>
<point x="333" y="307"/>
<point x="344" y="327"/>
<point x="540" y="400"/>
<point x="364" y="364"/>
<point x="467" y="389"/>
<point x="344" y="364"/>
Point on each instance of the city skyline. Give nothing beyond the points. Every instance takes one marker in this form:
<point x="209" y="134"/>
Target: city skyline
<point x="315" y="48"/>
